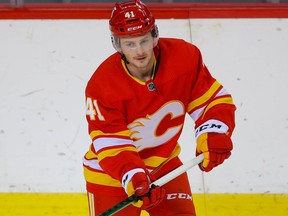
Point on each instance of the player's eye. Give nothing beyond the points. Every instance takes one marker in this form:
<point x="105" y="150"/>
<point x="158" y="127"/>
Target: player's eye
<point x="144" y="42"/>
<point x="130" y="45"/>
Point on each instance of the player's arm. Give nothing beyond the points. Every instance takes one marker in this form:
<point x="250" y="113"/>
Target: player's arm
<point x="111" y="138"/>
<point x="212" y="108"/>
<point x="116" y="153"/>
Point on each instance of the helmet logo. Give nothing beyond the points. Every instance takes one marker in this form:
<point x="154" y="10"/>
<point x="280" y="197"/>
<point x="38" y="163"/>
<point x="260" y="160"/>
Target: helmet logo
<point x="134" y="28"/>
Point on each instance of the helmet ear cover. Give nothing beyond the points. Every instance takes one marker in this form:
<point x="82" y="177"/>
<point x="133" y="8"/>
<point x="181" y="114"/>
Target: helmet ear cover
<point x="116" y="40"/>
<point x="155" y="35"/>
<point x="116" y="43"/>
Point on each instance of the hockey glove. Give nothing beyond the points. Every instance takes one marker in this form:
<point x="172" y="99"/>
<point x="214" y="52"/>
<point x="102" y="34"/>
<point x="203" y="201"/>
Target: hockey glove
<point x="149" y="197"/>
<point x="216" y="148"/>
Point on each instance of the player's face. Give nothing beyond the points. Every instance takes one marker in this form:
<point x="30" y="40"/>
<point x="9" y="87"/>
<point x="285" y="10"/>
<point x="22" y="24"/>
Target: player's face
<point x="138" y="50"/>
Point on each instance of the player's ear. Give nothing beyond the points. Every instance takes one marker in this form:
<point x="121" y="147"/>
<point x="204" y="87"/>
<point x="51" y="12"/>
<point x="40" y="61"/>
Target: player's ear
<point x="155" y="35"/>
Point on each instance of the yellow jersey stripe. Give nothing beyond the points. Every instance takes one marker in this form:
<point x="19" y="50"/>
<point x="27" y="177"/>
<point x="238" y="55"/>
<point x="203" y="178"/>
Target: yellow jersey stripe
<point x="222" y="100"/>
<point x="205" y="97"/>
<point x="114" y="152"/>
<point x="97" y="133"/>
<point x="100" y="178"/>
<point x="155" y="161"/>
<point x="137" y="80"/>
<point x="90" y="154"/>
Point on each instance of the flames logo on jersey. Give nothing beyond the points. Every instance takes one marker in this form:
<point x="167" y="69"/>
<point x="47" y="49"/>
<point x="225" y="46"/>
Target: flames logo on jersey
<point x="158" y="128"/>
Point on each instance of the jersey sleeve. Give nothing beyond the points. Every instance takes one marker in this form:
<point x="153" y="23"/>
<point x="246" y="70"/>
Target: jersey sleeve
<point x="108" y="130"/>
<point x="211" y="106"/>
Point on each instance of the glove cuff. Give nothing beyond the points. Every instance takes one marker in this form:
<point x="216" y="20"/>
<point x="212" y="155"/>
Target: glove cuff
<point x="212" y="125"/>
<point x="128" y="176"/>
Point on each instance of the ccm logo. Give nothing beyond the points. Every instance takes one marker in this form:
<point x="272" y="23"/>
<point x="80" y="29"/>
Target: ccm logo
<point x="134" y="28"/>
<point x="206" y="126"/>
<point x="178" y="196"/>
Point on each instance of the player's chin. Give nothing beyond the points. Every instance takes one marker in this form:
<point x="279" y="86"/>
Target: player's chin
<point x="141" y="63"/>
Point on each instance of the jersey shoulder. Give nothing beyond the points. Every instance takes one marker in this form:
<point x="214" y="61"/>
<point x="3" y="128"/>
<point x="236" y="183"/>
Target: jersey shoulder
<point x="177" y="44"/>
<point x="107" y="71"/>
<point x="179" y="50"/>
<point x="109" y="81"/>
<point x="107" y="68"/>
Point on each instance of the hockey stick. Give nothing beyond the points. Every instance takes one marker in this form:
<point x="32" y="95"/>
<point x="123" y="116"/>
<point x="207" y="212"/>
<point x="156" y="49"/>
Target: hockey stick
<point x="159" y="182"/>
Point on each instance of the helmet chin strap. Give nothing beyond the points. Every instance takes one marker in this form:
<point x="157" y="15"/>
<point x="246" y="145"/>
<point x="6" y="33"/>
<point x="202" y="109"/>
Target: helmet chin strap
<point x="123" y="57"/>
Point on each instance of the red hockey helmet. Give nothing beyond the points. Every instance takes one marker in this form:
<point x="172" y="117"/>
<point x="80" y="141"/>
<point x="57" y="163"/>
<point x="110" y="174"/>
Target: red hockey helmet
<point x="131" y="19"/>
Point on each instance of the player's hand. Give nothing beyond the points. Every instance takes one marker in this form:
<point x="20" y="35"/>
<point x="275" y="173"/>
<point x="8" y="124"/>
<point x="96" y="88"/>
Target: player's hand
<point x="216" y="148"/>
<point x="155" y="196"/>
<point x="150" y="197"/>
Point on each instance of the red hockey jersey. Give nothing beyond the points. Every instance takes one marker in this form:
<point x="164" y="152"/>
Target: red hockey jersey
<point x="135" y="124"/>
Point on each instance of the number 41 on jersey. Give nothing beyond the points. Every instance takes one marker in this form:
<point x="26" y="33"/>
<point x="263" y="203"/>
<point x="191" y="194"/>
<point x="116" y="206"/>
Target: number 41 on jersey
<point x="92" y="109"/>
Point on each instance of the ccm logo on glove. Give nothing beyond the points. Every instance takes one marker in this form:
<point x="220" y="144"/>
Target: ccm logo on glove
<point x="211" y="126"/>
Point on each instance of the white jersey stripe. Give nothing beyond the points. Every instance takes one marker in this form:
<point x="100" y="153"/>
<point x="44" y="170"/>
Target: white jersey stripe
<point x="94" y="164"/>
<point x="104" y="142"/>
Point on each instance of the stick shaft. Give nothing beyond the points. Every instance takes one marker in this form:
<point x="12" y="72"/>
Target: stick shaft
<point x="178" y="171"/>
<point x="120" y="205"/>
<point x="159" y="182"/>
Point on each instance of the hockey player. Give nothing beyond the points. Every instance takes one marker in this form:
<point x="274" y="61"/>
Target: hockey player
<point x="136" y="104"/>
